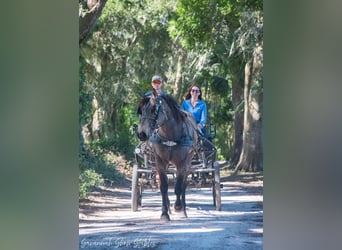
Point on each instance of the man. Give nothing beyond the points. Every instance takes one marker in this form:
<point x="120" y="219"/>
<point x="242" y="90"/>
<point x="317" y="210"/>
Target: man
<point x="157" y="84"/>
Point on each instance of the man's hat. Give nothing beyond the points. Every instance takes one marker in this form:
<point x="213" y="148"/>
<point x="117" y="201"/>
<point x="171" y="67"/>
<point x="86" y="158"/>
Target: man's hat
<point x="157" y="78"/>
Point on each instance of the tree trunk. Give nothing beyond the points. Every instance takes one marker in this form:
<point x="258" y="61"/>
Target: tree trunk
<point x="237" y="98"/>
<point x="97" y="125"/>
<point x="178" y="81"/>
<point x="92" y="10"/>
<point x="251" y="158"/>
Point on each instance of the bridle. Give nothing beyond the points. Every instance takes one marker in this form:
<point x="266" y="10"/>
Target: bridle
<point x="154" y="119"/>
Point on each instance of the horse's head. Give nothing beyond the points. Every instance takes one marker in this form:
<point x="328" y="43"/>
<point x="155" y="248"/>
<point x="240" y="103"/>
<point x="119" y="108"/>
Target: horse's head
<point x="159" y="112"/>
<point x="148" y="111"/>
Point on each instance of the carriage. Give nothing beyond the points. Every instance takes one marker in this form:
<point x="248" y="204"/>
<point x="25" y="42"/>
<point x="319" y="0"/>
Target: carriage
<point x="204" y="170"/>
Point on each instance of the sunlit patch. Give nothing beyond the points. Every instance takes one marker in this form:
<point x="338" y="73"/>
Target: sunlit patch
<point x="256" y="230"/>
<point x="189" y="230"/>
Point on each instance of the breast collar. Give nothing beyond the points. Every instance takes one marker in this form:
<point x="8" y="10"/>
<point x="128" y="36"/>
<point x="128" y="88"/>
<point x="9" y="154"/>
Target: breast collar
<point x="159" y="139"/>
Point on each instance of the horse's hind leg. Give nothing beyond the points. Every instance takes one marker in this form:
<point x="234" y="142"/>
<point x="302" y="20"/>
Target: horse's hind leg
<point x="180" y="187"/>
<point x="168" y="203"/>
<point x="165" y="198"/>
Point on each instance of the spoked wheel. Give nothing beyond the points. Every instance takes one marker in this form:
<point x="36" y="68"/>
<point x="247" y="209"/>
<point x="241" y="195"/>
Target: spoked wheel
<point x="136" y="195"/>
<point x="217" y="187"/>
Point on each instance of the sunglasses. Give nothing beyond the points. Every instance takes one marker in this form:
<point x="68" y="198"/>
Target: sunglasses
<point x="156" y="82"/>
<point x="195" y="91"/>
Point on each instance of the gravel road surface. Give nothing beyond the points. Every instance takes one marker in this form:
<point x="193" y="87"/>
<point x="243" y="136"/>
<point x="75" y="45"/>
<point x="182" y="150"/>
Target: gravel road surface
<point x="107" y="222"/>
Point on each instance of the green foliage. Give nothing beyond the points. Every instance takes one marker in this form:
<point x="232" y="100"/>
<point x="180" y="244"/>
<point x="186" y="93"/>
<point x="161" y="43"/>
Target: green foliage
<point x="200" y="22"/>
<point x="134" y="40"/>
<point x="101" y="160"/>
<point x="123" y="141"/>
<point x="97" y="164"/>
<point x="220" y="86"/>
<point x="88" y="179"/>
<point x="248" y="35"/>
<point x="84" y="96"/>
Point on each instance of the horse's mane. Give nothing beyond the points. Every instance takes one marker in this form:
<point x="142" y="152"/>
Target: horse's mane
<point x="170" y="101"/>
<point x="143" y="101"/>
<point x="182" y="116"/>
<point x="179" y="116"/>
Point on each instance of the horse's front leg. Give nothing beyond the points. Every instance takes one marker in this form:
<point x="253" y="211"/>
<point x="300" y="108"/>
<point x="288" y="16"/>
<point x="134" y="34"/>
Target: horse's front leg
<point x="180" y="188"/>
<point x="165" y="197"/>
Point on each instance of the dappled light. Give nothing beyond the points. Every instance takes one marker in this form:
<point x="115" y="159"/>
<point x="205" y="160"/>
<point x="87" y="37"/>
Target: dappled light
<point x="219" y="50"/>
<point x="110" y="221"/>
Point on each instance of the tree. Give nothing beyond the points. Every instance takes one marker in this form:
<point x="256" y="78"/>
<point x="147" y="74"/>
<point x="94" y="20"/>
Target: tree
<point x="128" y="44"/>
<point x="233" y="31"/>
<point x="89" y="12"/>
<point x="251" y="157"/>
<point x="202" y="41"/>
<point x="127" y="47"/>
<point x="250" y="38"/>
<point x="237" y="102"/>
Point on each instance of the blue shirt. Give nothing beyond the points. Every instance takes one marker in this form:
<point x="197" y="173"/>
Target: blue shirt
<point x="199" y="112"/>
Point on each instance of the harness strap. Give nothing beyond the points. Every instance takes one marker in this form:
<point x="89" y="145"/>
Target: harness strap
<point x="157" y="138"/>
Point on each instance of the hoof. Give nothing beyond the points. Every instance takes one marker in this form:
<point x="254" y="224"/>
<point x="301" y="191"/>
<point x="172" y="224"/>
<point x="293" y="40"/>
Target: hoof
<point x="178" y="208"/>
<point x="165" y="217"/>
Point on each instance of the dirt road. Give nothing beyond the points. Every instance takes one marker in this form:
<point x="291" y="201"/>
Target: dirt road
<point x="107" y="222"/>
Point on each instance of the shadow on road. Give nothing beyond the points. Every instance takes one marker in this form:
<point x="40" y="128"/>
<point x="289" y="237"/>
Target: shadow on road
<point x="107" y="222"/>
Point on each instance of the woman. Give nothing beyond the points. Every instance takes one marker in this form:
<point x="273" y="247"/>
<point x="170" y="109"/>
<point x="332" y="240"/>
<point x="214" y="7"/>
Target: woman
<point x="195" y="106"/>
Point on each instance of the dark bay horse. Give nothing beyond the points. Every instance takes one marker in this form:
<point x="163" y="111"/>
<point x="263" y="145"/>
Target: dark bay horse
<point x="173" y="137"/>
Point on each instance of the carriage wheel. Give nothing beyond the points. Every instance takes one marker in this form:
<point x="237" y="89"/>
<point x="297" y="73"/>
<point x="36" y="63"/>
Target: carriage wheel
<point x="135" y="195"/>
<point x="140" y="191"/>
<point x="217" y="187"/>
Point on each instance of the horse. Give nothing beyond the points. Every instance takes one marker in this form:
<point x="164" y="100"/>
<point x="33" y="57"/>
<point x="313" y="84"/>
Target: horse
<point x="172" y="135"/>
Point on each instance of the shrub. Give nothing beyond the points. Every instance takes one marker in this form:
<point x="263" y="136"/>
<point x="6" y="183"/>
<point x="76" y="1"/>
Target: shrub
<point x="88" y="179"/>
